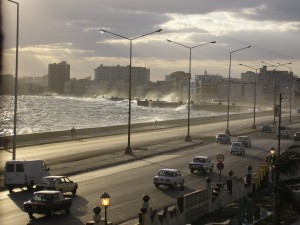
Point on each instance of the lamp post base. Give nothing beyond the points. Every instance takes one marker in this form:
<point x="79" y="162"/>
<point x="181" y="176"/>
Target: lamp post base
<point x="274" y="122"/>
<point x="188" y="138"/>
<point x="253" y="126"/>
<point x="227" y="132"/>
<point x="128" y="151"/>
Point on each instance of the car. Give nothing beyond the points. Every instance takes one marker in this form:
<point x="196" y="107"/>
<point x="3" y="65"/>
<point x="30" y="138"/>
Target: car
<point x="297" y="136"/>
<point x="283" y="131"/>
<point x="266" y="128"/>
<point x="58" y="183"/>
<point x="223" y="138"/>
<point x="245" y="140"/>
<point x="201" y="163"/>
<point x="168" y="177"/>
<point x="47" y="202"/>
<point x="237" y="147"/>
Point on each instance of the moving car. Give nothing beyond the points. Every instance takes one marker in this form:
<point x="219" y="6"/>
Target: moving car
<point x="237" y="147"/>
<point x="168" y="177"/>
<point x="47" y="202"/>
<point x="245" y="140"/>
<point x="223" y="138"/>
<point x="201" y="163"/>
<point x="297" y="136"/>
<point x="283" y="130"/>
<point x="58" y="183"/>
<point x="266" y="128"/>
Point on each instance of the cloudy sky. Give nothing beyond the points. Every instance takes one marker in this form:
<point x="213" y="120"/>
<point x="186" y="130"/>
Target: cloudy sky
<point x="52" y="31"/>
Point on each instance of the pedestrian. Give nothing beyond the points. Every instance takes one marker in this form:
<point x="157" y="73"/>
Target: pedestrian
<point x="73" y="132"/>
<point x="5" y="142"/>
<point x="155" y="123"/>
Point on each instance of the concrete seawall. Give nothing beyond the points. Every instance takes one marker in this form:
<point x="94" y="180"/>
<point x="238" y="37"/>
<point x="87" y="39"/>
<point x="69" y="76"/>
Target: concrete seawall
<point x="63" y="135"/>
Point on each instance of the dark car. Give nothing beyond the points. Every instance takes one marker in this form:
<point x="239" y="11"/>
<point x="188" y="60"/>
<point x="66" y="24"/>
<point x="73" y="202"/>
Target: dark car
<point x="223" y="138"/>
<point x="266" y="128"/>
<point x="47" y="202"/>
<point x="245" y="140"/>
<point x="297" y="136"/>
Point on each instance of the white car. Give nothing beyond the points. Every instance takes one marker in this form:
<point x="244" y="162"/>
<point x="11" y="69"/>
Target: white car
<point x="168" y="177"/>
<point x="237" y="147"/>
<point x="245" y="140"/>
<point x="201" y="163"/>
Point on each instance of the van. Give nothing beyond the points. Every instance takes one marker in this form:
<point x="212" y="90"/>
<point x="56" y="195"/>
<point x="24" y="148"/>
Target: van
<point x="283" y="131"/>
<point x="24" y="173"/>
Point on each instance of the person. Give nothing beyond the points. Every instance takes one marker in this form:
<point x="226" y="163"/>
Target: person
<point x="73" y="132"/>
<point x="155" y="123"/>
<point x="5" y="142"/>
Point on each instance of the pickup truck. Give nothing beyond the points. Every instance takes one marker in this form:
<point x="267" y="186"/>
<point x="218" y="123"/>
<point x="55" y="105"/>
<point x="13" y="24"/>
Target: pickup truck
<point x="201" y="163"/>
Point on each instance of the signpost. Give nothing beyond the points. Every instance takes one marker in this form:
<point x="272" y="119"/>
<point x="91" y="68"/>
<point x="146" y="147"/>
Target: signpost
<point x="220" y="165"/>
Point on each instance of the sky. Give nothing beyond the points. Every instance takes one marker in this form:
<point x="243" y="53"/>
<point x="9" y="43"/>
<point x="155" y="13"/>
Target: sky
<point x="51" y="31"/>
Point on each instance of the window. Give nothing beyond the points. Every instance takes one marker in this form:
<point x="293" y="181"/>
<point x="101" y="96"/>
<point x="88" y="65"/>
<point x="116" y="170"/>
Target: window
<point x="20" y="168"/>
<point x="10" y="168"/>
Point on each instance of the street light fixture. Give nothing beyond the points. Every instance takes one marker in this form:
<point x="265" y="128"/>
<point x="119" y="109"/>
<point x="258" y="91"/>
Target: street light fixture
<point x="228" y="97"/>
<point x="16" y="83"/>
<point x="255" y="83"/>
<point x="188" y="137"/>
<point x="105" y="201"/>
<point x="128" y="148"/>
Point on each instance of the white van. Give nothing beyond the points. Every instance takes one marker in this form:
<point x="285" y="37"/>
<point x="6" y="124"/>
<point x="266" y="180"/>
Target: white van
<point x="24" y="173"/>
<point x="283" y="131"/>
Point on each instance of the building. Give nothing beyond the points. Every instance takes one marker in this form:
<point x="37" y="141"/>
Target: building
<point x="179" y="82"/>
<point x="7" y="84"/>
<point x="58" y="74"/>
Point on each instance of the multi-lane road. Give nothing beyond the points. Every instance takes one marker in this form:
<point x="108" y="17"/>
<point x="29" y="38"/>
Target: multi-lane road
<point x="127" y="183"/>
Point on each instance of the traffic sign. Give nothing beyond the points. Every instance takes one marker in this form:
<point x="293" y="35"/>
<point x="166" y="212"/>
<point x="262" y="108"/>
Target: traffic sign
<point x="220" y="158"/>
<point x="220" y="166"/>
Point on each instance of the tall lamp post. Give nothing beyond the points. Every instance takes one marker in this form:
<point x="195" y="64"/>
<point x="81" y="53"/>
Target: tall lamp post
<point x="254" y="104"/>
<point x="105" y="201"/>
<point x="128" y="148"/>
<point x="16" y="83"/>
<point x="188" y="137"/>
<point x="228" y="97"/>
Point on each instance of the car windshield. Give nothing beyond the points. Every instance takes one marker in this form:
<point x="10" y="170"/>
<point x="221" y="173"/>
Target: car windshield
<point x="222" y="135"/>
<point x="242" y="138"/>
<point x="48" y="180"/>
<point x="201" y="160"/>
<point x="236" y="144"/>
<point x="42" y="198"/>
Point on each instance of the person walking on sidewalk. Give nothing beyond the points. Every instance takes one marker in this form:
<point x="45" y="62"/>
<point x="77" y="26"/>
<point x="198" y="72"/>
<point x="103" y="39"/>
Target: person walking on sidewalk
<point x="5" y="143"/>
<point x="73" y="132"/>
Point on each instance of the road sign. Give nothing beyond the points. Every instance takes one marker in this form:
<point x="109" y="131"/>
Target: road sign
<point x="220" y="166"/>
<point x="220" y="158"/>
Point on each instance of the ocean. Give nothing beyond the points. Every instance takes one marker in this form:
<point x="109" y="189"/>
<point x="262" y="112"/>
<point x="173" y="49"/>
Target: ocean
<point x="53" y="113"/>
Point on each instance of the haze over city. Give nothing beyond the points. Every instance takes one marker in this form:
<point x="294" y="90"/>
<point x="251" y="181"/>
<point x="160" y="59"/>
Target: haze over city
<point x="69" y="30"/>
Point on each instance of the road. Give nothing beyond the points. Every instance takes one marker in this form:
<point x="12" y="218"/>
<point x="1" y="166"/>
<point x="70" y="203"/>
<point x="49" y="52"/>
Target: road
<point x="127" y="183"/>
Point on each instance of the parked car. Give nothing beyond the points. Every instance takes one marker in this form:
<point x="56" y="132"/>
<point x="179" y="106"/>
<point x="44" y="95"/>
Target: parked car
<point x="47" y="202"/>
<point x="266" y="128"/>
<point x="297" y="136"/>
<point x="168" y="177"/>
<point x="58" y="183"/>
<point x="283" y="130"/>
<point x="245" y="140"/>
<point x="201" y="163"/>
<point x="223" y="138"/>
<point x="237" y="147"/>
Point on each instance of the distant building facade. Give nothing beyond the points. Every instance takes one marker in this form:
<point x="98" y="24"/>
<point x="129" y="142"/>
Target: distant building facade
<point x="58" y="75"/>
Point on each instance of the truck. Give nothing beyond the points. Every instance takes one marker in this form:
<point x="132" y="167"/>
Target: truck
<point x="201" y="163"/>
<point x="24" y="173"/>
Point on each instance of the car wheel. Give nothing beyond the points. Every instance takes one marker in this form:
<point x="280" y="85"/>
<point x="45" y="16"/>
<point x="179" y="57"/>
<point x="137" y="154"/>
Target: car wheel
<point x="30" y="186"/>
<point x="30" y="214"/>
<point x="74" y="191"/>
<point x="171" y="186"/>
<point x="156" y="185"/>
<point x="68" y="209"/>
<point x="10" y="188"/>
<point x="210" y="170"/>
<point x="192" y="170"/>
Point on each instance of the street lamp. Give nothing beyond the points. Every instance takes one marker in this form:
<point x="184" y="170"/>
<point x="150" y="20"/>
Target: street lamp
<point x="272" y="152"/>
<point x="188" y="137"/>
<point x="105" y="201"/>
<point x="228" y="97"/>
<point x="128" y="148"/>
<point x="255" y="83"/>
<point x="16" y="83"/>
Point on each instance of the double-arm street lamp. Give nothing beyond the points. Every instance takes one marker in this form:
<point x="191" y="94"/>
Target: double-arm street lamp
<point x="128" y="148"/>
<point x="275" y="83"/>
<point x="255" y="83"/>
<point x="16" y="83"/>
<point x="188" y="137"/>
<point x="228" y="97"/>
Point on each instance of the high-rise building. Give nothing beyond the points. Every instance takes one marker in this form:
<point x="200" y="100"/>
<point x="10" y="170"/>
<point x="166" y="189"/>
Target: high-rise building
<point x="58" y="74"/>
